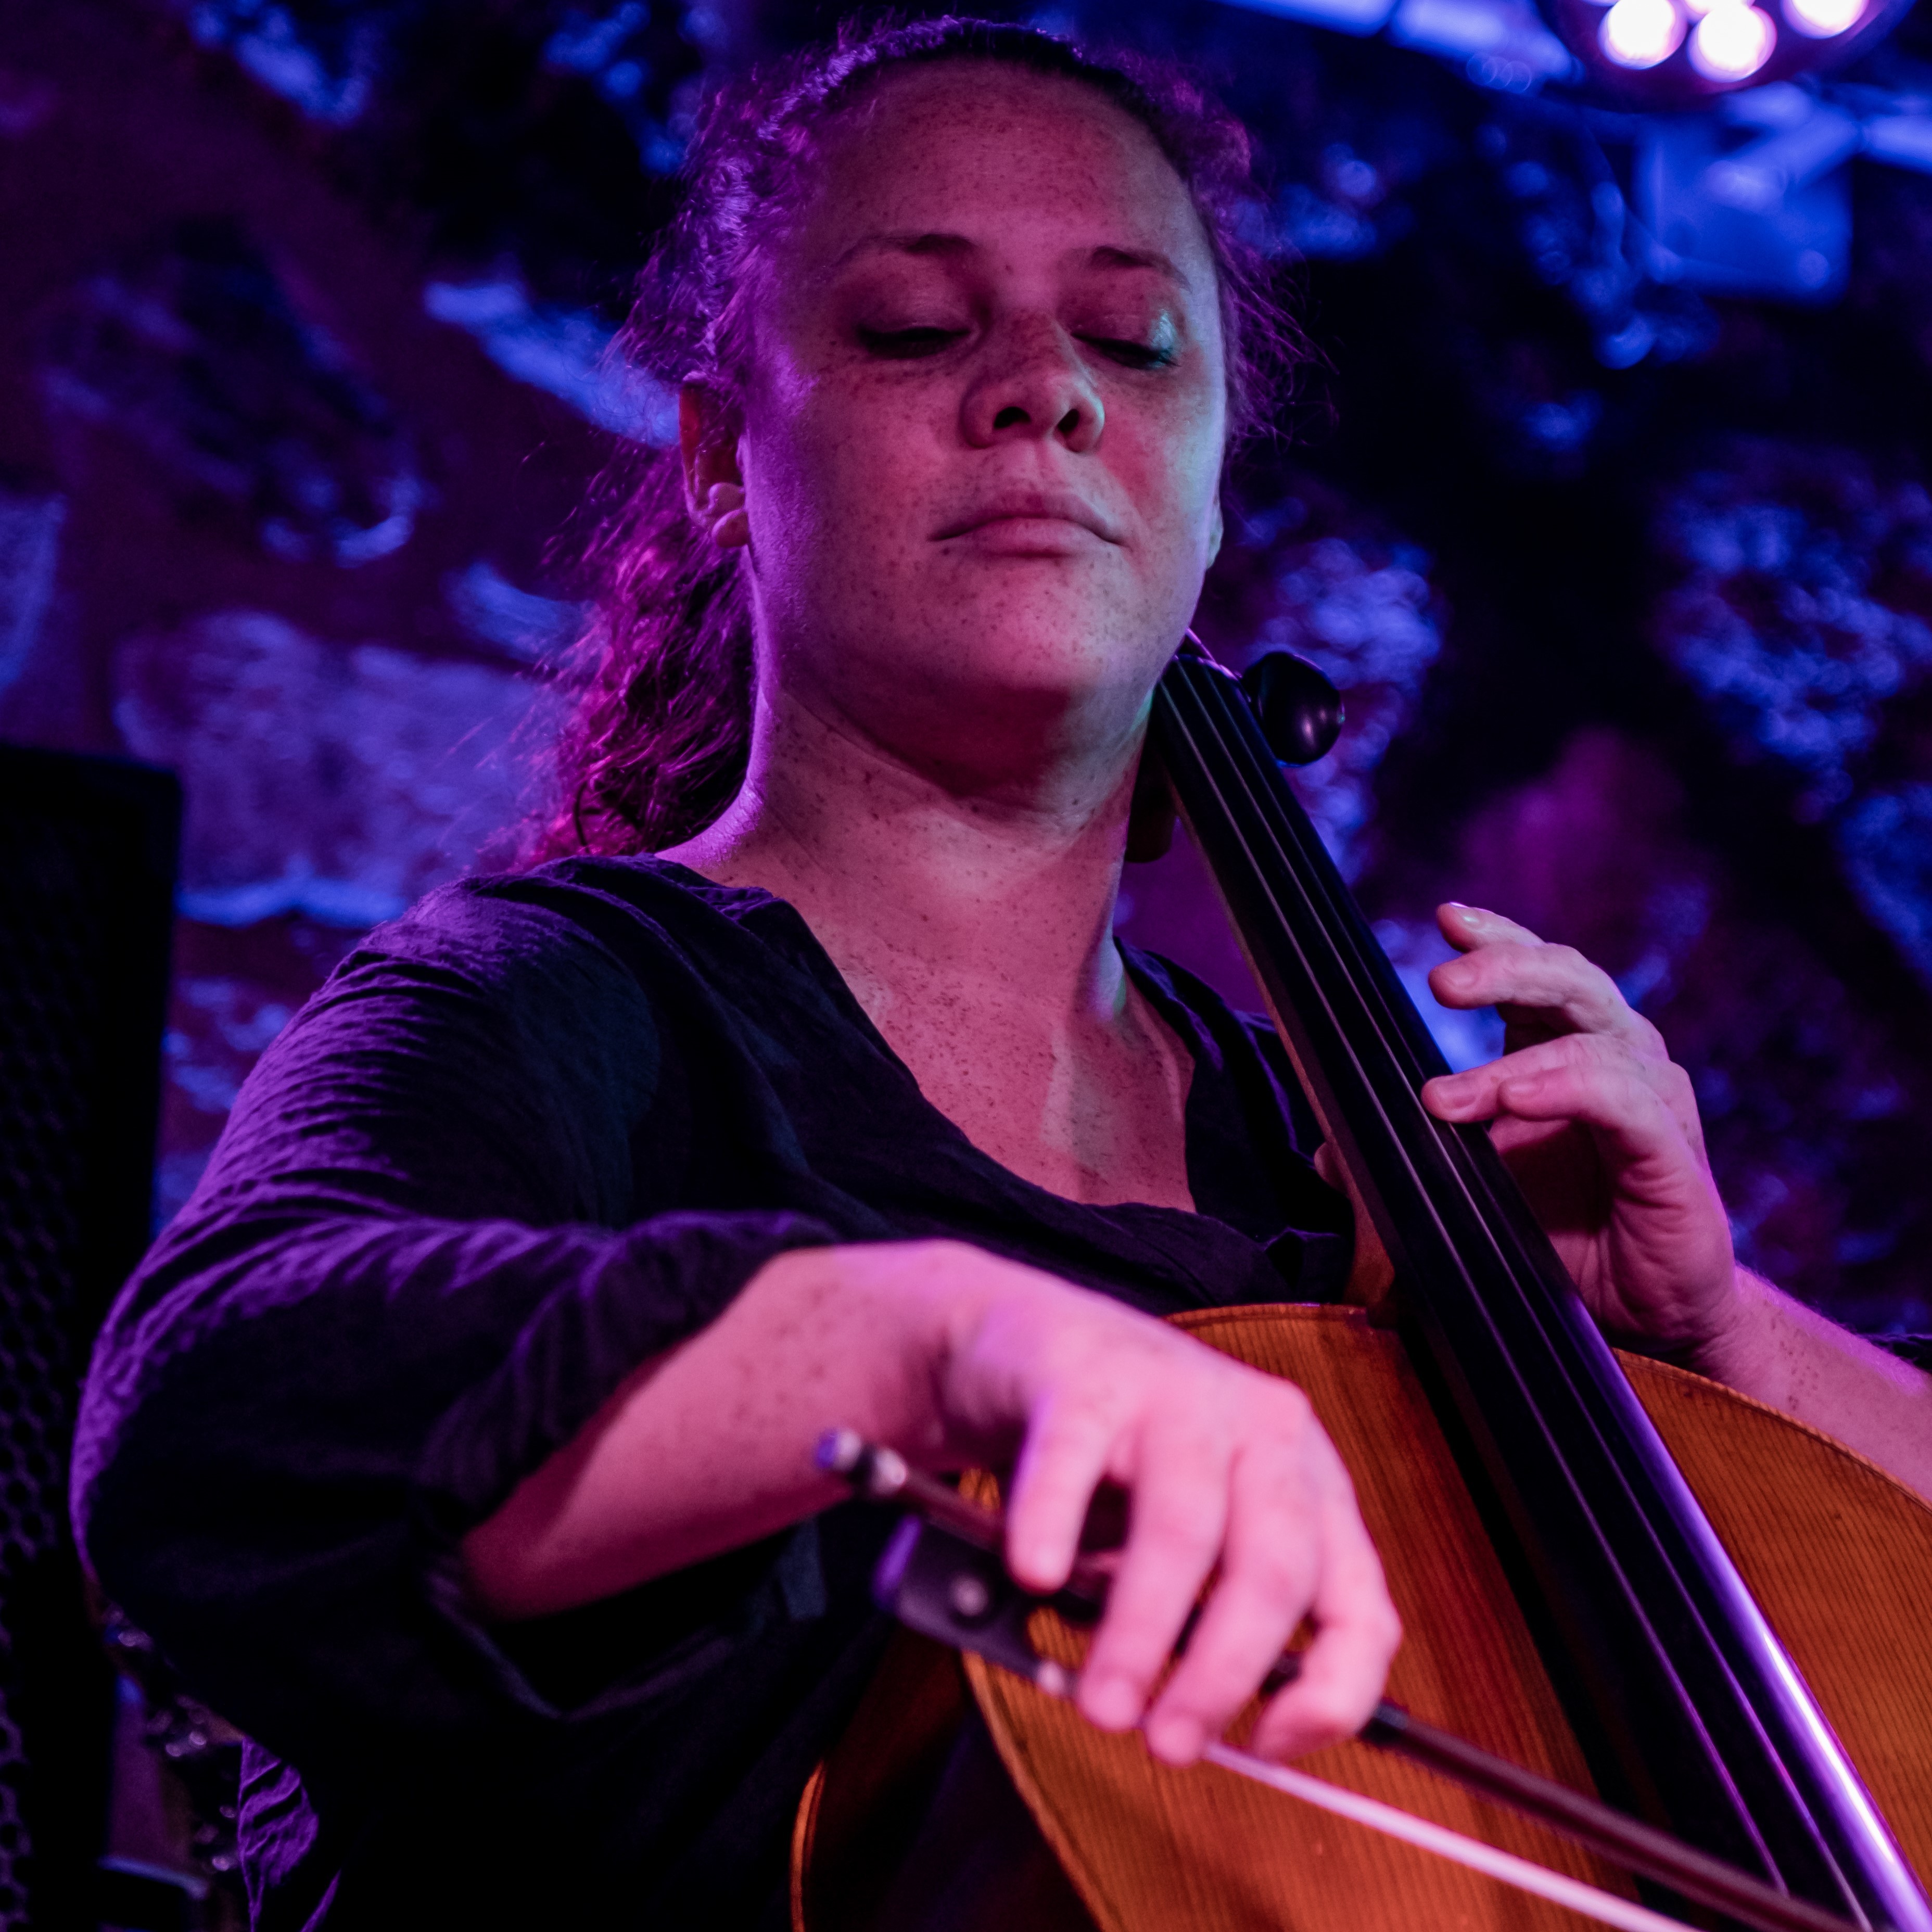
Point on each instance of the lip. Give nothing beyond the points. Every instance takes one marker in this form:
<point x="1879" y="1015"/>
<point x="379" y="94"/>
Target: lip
<point x="1031" y="506"/>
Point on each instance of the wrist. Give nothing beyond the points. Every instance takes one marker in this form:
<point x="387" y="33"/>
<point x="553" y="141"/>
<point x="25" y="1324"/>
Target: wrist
<point x="1739" y="1350"/>
<point x="916" y="1310"/>
<point x="863" y="1325"/>
<point x="1002" y="1330"/>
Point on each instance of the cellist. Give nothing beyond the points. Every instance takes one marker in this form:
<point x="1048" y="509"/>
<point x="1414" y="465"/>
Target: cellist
<point x="455" y="1440"/>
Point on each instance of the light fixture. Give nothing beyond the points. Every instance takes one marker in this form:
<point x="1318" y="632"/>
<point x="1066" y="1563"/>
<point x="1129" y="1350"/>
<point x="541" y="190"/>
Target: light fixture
<point x="1641" y="33"/>
<point x="1732" y="41"/>
<point x="1820" y="19"/>
<point x="1671" y="56"/>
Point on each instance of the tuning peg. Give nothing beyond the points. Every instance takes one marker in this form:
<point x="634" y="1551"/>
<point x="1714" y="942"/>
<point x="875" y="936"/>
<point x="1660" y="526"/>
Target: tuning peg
<point x="1300" y="712"/>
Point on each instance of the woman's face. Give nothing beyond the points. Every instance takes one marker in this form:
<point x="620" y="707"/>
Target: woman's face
<point x="982" y="433"/>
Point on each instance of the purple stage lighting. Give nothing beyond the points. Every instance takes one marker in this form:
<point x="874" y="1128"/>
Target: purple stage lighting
<point x="1666" y="54"/>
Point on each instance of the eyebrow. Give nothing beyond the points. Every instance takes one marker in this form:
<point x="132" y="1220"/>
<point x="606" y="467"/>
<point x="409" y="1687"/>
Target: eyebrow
<point x="921" y="241"/>
<point x="1108" y="256"/>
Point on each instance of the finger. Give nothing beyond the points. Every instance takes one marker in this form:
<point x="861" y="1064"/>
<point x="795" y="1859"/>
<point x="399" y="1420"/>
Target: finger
<point x="1344" y="1670"/>
<point x="1062" y="1459"/>
<point x="1476" y="1094"/>
<point x="1467" y="926"/>
<point x="1267" y="1582"/>
<point x="1672" y="1276"/>
<point x="1179" y="1514"/>
<point x="1500" y="1087"/>
<point x="1555" y="984"/>
<point x="1637" y="1132"/>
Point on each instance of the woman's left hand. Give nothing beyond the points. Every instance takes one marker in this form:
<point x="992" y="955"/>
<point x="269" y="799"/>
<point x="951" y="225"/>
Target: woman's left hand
<point x="1601" y="1128"/>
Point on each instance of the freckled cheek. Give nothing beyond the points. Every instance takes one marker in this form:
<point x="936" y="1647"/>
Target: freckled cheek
<point x="1173" y="479"/>
<point x="856" y="472"/>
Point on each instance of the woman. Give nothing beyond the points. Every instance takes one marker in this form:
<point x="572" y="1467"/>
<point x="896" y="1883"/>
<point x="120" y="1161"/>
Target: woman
<point x="455" y="1440"/>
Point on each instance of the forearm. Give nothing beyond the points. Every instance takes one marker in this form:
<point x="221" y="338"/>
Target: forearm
<point x="709" y="1446"/>
<point x="953" y="1355"/>
<point x="1792" y="1357"/>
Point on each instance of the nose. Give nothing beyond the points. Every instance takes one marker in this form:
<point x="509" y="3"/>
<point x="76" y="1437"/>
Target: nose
<point x="1032" y="384"/>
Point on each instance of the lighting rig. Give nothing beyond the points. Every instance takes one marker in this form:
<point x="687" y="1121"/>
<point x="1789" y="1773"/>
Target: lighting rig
<point x="1740" y="139"/>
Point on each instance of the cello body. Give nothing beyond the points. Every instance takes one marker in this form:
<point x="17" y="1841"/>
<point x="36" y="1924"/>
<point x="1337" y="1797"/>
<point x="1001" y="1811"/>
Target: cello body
<point x="1838" y="1554"/>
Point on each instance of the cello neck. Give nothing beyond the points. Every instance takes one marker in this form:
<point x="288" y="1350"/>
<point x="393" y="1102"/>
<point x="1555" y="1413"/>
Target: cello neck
<point x="1669" y="1666"/>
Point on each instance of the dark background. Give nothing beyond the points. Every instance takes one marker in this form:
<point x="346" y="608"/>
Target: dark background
<point x="1627" y="568"/>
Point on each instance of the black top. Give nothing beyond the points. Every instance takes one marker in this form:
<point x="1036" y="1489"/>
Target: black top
<point x="526" y="1137"/>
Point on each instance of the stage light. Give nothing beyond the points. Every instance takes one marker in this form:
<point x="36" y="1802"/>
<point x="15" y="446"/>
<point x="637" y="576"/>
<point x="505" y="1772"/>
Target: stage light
<point x="1819" y="19"/>
<point x="1633" y="58"/>
<point x="1732" y="41"/>
<point x="1641" y="33"/>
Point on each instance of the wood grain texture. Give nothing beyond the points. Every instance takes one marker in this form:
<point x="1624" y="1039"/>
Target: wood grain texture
<point x="1151" y="1847"/>
<point x="1839" y="1554"/>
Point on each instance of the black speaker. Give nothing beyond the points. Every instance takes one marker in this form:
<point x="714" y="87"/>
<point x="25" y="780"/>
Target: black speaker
<point x="88" y="849"/>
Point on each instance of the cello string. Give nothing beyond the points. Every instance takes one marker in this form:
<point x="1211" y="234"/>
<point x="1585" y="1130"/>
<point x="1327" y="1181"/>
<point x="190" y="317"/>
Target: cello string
<point x="1596" y="1408"/>
<point x="1616" y="1442"/>
<point x="1615" y="1429"/>
<point x="1259" y="828"/>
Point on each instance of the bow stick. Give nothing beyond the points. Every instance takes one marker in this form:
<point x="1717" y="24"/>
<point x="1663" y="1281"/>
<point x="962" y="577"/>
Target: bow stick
<point x="943" y="1574"/>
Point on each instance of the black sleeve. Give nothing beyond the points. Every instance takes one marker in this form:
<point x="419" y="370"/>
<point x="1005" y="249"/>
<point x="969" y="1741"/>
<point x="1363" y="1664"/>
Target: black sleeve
<point x="426" y="1251"/>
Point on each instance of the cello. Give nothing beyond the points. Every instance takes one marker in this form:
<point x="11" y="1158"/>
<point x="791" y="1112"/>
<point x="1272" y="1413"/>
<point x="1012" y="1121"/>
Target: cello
<point x="1614" y="1574"/>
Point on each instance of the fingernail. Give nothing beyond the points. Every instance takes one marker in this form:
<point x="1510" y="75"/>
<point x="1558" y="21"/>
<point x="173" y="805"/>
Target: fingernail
<point x="1112" y="1703"/>
<point x="1176" y="1740"/>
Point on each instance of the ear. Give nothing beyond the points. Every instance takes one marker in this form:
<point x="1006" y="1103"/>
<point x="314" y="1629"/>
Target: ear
<point x="1217" y="530"/>
<point x="714" y="487"/>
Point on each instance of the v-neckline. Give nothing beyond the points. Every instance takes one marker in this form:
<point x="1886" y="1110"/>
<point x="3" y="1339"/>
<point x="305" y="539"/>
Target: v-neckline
<point x="742" y="902"/>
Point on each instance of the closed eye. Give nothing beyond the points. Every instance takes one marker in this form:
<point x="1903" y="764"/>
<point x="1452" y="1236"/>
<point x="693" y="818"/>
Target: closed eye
<point x="1132" y="355"/>
<point x="909" y="345"/>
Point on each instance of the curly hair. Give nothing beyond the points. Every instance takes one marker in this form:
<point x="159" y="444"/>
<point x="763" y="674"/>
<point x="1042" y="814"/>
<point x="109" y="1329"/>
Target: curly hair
<point x="657" y="743"/>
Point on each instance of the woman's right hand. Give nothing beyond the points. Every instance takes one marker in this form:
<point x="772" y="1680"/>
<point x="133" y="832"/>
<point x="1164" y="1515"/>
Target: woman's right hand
<point x="1227" y="1475"/>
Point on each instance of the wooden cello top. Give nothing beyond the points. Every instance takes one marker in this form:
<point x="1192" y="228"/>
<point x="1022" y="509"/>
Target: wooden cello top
<point x="1839" y="1554"/>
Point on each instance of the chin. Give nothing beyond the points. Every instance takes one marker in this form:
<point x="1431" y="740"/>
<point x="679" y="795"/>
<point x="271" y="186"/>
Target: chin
<point x="1042" y="672"/>
<point x="1007" y="692"/>
<point x="1032" y="631"/>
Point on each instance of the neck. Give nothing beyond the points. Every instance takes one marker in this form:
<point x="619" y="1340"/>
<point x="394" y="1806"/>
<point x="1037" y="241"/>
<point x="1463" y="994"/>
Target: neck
<point x="998" y="885"/>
